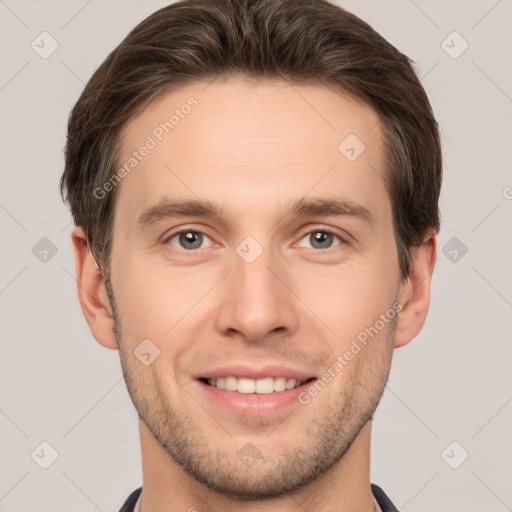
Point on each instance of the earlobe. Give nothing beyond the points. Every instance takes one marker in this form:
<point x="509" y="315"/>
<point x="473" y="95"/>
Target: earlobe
<point x="92" y="293"/>
<point x="415" y="292"/>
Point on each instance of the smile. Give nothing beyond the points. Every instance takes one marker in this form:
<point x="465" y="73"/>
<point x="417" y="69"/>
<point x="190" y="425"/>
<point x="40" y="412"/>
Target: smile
<point x="264" y="385"/>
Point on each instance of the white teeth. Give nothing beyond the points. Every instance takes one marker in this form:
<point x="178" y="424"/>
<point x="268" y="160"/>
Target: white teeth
<point x="261" y="386"/>
<point x="280" y="384"/>
<point x="231" y="383"/>
<point x="290" y="383"/>
<point x="246" y="386"/>
<point x="265" y="385"/>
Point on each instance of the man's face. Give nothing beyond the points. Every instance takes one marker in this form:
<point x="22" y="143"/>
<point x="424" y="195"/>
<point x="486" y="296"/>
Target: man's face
<point x="288" y="301"/>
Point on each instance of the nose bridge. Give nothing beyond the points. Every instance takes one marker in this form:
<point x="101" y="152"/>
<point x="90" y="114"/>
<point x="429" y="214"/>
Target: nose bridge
<point x="254" y="301"/>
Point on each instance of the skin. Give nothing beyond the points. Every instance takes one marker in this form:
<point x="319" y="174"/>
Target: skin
<point x="253" y="148"/>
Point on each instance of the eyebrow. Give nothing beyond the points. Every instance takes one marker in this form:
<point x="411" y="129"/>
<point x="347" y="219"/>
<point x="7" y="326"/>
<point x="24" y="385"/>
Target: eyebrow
<point x="168" y="208"/>
<point x="328" y="207"/>
<point x="299" y="208"/>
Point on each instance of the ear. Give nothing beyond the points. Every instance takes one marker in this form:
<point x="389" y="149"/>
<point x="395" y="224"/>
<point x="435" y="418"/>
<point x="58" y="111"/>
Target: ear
<point x="415" y="291"/>
<point x="92" y="293"/>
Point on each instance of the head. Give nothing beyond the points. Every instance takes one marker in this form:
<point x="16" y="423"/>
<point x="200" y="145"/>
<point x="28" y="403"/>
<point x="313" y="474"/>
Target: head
<point x="254" y="184"/>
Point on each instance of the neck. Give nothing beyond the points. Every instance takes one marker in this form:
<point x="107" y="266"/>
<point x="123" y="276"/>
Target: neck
<point x="344" y="487"/>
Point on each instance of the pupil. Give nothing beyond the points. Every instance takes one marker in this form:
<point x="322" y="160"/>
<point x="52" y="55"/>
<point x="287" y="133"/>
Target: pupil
<point x="322" y="240"/>
<point x="190" y="240"/>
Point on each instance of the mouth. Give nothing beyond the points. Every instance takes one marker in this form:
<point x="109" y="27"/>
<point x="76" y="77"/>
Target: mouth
<point x="262" y="386"/>
<point x="243" y="390"/>
<point x="264" y="396"/>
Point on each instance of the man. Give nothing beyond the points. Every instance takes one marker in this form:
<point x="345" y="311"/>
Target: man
<point x="255" y="190"/>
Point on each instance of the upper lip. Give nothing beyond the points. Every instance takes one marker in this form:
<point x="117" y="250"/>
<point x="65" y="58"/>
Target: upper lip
<point x="255" y="373"/>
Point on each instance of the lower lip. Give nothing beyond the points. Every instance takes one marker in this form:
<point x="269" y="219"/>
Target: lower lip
<point x="253" y="404"/>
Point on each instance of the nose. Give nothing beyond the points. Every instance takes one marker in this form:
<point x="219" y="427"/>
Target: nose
<point x="256" y="301"/>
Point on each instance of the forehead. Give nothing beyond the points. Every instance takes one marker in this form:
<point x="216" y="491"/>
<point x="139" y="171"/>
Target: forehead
<point x="253" y="143"/>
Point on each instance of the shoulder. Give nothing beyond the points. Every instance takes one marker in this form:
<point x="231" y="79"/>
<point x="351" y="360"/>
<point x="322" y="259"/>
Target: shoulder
<point x="382" y="499"/>
<point x="129" y="504"/>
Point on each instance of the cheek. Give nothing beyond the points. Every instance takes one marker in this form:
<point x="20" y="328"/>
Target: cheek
<point x="348" y="299"/>
<point x="145" y="303"/>
<point x="366" y="356"/>
<point x="158" y="303"/>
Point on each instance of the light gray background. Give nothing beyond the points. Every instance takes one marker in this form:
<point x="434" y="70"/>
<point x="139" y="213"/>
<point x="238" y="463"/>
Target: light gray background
<point x="450" y="384"/>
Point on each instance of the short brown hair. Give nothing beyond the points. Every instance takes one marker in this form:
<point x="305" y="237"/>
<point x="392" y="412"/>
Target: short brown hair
<point x="301" y="41"/>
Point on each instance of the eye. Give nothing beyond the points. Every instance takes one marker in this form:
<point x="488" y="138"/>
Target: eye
<point x="321" y="239"/>
<point x="189" y="240"/>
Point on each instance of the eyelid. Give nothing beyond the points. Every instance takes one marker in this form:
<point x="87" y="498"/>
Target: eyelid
<point x="343" y="237"/>
<point x="186" y="229"/>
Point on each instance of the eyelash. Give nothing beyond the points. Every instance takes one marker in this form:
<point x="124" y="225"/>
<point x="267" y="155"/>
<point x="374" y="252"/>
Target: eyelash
<point x="328" y="231"/>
